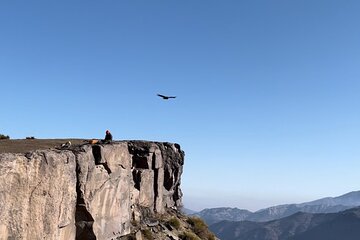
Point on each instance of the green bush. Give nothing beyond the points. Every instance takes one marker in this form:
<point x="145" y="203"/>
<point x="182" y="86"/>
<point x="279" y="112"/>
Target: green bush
<point x="2" y="136"/>
<point x="174" y="222"/>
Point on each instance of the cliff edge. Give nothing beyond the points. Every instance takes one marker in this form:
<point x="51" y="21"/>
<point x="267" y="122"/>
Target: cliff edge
<point x="88" y="191"/>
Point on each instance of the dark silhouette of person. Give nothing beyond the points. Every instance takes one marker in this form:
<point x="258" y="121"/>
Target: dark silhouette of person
<point x="108" y="136"/>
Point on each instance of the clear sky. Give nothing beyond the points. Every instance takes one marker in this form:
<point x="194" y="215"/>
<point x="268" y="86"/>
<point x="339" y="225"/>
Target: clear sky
<point x="268" y="92"/>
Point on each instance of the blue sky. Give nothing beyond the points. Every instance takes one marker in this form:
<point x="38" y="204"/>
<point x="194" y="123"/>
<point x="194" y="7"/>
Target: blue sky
<point x="267" y="106"/>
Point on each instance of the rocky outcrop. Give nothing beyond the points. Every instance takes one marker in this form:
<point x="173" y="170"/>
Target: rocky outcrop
<point x="88" y="191"/>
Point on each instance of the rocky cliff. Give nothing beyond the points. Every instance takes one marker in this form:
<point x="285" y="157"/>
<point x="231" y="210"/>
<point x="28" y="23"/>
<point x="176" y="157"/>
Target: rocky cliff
<point x="87" y="191"/>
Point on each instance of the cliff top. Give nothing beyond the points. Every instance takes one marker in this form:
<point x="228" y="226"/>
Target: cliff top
<point x="26" y="145"/>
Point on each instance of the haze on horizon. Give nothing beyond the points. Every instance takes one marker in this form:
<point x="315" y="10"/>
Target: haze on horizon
<point x="267" y="92"/>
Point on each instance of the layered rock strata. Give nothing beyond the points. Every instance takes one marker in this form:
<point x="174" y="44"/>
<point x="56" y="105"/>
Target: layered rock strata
<point x="87" y="192"/>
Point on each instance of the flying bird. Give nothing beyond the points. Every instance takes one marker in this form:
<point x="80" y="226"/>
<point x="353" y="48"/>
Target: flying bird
<point x="166" y="97"/>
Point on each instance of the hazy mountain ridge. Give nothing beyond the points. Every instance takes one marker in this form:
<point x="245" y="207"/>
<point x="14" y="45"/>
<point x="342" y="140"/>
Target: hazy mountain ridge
<point x="324" y="205"/>
<point x="348" y="199"/>
<point x="344" y="225"/>
<point x="213" y="215"/>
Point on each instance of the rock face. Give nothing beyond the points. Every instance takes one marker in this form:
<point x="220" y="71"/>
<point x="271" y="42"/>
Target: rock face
<point x="87" y="192"/>
<point x="37" y="195"/>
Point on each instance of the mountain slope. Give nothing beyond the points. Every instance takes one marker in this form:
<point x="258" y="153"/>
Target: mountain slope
<point x="348" y="199"/>
<point x="344" y="225"/>
<point x="324" y="205"/>
<point x="300" y="226"/>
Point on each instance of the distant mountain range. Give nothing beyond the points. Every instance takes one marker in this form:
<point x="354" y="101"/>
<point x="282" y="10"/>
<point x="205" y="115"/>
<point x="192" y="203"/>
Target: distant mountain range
<point x="188" y="211"/>
<point x="324" y="205"/>
<point x="344" y="225"/>
<point x="214" y="215"/>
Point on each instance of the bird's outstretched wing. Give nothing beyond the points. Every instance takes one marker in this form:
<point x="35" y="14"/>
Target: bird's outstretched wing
<point x="166" y="97"/>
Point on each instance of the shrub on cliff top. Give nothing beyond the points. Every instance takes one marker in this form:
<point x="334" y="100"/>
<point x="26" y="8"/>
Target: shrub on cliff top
<point x="2" y="136"/>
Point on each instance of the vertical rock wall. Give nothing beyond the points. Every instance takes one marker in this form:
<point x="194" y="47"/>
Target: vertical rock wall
<point x="88" y="192"/>
<point x="37" y="195"/>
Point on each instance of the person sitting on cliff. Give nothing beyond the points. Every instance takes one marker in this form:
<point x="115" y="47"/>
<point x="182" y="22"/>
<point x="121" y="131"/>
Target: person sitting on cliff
<point x="108" y="137"/>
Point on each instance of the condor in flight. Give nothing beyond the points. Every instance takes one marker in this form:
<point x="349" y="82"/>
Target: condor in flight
<point x="166" y="97"/>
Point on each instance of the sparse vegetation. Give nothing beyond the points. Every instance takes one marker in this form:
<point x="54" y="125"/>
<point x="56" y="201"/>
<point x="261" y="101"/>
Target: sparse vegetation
<point x="211" y="236"/>
<point x="2" y="136"/>
<point x="188" y="236"/>
<point x="174" y="222"/>
<point x="147" y="234"/>
<point x="182" y="227"/>
<point x="23" y="145"/>
<point x="200" y="228"/>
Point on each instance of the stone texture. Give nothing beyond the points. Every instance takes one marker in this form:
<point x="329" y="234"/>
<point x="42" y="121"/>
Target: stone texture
<point x="87" y="192"/>
<point x="37" y="195"/>
<point x="104" y="177"/>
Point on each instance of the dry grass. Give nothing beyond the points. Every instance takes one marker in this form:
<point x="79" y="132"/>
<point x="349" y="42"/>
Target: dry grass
<point x="26" y="145"/>
<point x="174" y="222"/>
<point x="200" y="228"/>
